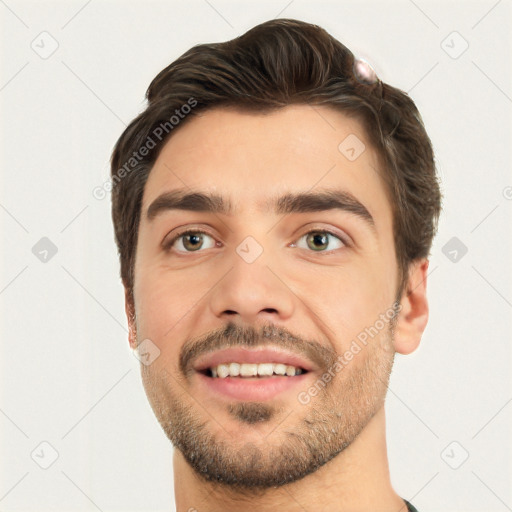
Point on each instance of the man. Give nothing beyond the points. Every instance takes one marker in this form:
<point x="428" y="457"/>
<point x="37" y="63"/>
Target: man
<point x="274" y="208"/>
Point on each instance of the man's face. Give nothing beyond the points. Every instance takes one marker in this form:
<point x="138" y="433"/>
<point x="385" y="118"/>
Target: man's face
<point x="258" y="280"/>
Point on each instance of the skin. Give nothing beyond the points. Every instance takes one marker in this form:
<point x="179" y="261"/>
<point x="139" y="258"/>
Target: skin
<point x="325" y="300"/>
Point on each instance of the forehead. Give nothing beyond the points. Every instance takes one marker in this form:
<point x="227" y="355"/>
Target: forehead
<point x="249" y="157"/>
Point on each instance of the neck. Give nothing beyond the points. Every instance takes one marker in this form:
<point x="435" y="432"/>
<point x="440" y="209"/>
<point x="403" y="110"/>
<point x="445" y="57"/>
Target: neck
<point x="356" y="480"/>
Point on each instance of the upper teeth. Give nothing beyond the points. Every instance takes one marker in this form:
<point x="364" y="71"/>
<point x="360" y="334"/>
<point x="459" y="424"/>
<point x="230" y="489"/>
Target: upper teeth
<point x="251" y="370"/>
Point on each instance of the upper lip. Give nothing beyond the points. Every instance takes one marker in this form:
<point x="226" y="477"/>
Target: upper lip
<point x="245" y="355"/>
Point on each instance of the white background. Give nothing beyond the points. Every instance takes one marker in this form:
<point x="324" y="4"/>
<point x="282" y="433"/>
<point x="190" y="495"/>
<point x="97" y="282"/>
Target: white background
<point x="67" y="374"/>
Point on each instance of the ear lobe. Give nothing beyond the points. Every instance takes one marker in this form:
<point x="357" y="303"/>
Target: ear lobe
<point x="129" y="308"/>
<point x="413" y="316"/>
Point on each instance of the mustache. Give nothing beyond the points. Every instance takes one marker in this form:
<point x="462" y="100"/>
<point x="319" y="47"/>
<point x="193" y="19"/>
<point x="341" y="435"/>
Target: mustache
<point x="234" y="335"/>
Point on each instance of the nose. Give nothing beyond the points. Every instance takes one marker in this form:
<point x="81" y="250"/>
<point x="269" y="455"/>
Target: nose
<point x="252" y="292"/>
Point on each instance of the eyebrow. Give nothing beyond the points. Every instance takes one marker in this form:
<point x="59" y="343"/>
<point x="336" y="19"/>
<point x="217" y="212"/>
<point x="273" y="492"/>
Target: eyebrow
<point x="292" y="202"/>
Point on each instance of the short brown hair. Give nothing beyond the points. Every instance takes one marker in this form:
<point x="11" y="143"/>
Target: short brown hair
<point x="275" y="64"/>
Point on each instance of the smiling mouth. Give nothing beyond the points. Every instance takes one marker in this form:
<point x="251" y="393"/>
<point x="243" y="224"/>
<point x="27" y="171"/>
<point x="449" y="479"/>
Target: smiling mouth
<point x="246" y="374"/>
<point x="252" y="370"/>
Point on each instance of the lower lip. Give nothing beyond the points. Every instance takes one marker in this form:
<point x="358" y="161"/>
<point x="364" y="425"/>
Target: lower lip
<point x="254" y="388"/>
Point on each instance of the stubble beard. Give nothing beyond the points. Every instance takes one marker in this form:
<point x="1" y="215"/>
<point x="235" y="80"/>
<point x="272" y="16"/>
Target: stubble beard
<point x="323" y="428"/>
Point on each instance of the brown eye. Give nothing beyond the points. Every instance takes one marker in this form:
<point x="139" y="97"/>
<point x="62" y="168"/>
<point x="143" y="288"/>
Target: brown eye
<point x="193" y="241"/>
<point x="319" y="240"/>
<point x="189" y="241"/>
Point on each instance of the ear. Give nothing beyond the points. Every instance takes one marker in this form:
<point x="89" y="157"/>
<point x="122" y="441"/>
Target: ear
<point x="413" y="316"/>
<point x="129" y="307"/>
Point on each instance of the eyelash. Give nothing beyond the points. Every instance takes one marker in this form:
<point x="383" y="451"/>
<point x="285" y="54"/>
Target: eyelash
<point x="168" y="245"/>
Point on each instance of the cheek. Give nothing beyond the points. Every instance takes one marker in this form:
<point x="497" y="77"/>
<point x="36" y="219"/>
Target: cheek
<point x="349" y="299"/>
<point x="159" y="310"/>
<point x="161" y="302"/>
<point x="166" y="302"/>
